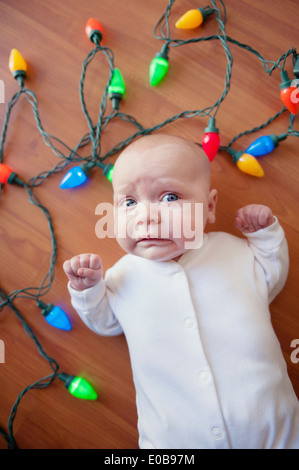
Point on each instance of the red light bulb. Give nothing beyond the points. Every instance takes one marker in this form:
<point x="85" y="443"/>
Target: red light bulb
<point x="7" y="175"/>
<point x="5" y="172"/>
<point x="289" y="94"/>
<point x="211" y="140"/>
<point x="94" y="30"/>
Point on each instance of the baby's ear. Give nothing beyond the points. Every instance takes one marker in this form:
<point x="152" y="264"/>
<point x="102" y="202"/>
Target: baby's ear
<point x="212" y="202"/>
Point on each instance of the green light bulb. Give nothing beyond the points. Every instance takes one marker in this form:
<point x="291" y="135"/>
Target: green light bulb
<point x="116" y="89"/>
<point x="158" y="70"/>
<point x="108" y="171"/>
<point x="117" y="84"/>
<point x="78" y="387"/>
<point x="159" y="66"/>
<point x="109" y="175"/>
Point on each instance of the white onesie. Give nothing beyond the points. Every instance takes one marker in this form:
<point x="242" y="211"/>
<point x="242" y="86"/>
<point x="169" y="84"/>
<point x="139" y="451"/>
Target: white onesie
<point x="207" y="366"/>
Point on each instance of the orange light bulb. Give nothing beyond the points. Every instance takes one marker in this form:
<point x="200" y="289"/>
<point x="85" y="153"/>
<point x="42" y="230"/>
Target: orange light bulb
<point x="17" y="64"/>
<point x="193" y="18"/>
<point x="248" y="164"/>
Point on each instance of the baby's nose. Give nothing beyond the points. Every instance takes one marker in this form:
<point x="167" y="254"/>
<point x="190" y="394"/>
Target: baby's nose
<point x="148" y="213"/>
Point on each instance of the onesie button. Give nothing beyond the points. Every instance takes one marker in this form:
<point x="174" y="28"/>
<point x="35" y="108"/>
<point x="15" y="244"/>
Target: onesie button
<point x="177" y="276"/>
<point x="204" y="376"/>
<point x="189" y="322"/>
<point x="217" y="433"/>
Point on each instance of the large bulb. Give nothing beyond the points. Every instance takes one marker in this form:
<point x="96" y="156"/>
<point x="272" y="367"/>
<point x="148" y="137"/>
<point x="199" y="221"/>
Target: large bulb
<point x="94" y="30"/>
<point x="55" y="316"/>
<point x="193" y="18"/>
<point x="190" y="20"/>
<point x="248" y="164"/>
<point x="289" y="94"/>
<point x="116" y="89"/>
<point x="78" y="387"/>
<point x="265" y="144"/>
<point x="211" y="140"/>
<point x="261" y="146"/>
<point x="17" y="64"/>
<point x="159" y="66"/>
<point x="5" y="172"/>
<point x="7" y="175"/>
<point x="108" y="171"/>
<point x="76" y="176"/>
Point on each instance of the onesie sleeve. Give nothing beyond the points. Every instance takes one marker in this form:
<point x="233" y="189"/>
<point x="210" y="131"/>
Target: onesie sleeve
<point x="93" y="307"/>
<point x="270" y="249"/>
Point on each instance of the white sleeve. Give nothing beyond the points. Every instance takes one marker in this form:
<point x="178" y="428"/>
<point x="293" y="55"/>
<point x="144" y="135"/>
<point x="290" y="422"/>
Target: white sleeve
<point x="270" y="249"/>
<point x="92" y="305"/>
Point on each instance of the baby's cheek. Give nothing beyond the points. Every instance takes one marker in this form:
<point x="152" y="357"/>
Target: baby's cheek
<point x="120" y="224"/>
<point x="171" y="220"/>
<point x="185" y="219"/>
<point x="192" y="225"/>
<point x="123" y="229"/>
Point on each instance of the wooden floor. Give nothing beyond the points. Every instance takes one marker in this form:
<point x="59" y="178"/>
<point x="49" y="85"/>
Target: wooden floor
<point x="50" y="36"/>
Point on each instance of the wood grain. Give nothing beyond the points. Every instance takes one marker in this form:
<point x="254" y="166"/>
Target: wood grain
<point x="50" y="36"/>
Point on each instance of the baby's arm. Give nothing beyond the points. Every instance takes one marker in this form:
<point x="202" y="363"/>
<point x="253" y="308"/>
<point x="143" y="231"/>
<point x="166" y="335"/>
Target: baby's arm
<point x="267" y="241"/>
<point x="89" y="293"/>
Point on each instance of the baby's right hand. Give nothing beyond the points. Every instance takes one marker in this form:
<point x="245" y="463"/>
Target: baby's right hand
<point x="83" y="271"/>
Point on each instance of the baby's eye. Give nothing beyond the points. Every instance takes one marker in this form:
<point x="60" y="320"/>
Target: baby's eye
<point x="129" y="202"/>
<point x="170" y="198"/>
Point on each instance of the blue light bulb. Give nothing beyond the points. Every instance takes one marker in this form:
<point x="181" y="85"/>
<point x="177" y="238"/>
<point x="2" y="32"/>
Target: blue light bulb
<point x="262" y="146"/>
<point x="74" y="177"/>
<point x="57" y="317"/>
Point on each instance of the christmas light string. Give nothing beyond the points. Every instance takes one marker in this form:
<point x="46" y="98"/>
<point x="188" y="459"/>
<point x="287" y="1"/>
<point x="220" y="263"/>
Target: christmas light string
<point x="41" y="383"/>
<point x="114" y="90"/>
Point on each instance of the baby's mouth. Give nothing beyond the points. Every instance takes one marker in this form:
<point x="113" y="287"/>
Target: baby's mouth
<point x="149" y="240"/>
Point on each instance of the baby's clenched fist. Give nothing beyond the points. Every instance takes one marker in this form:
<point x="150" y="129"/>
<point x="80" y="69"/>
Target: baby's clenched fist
<point x="253" y="217"/>
<point x="83" y="271"/>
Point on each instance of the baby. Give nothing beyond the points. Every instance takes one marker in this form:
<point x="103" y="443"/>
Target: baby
<point x="207" y="366"/>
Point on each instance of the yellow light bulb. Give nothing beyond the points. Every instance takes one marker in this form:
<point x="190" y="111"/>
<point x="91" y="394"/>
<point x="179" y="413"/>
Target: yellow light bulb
<point x="248" y="164"/>
<point x="17" y="64"/>
<point x="190" y="20"/>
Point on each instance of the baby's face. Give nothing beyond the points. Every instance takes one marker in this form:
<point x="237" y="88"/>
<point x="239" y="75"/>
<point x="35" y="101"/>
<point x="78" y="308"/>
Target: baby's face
<point x="161" y="185"/>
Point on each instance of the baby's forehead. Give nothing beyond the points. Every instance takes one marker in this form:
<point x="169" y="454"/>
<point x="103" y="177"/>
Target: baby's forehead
<point x="158" y="143"/>
<point x="163" y="149"/>
<point x="161" y="155"/>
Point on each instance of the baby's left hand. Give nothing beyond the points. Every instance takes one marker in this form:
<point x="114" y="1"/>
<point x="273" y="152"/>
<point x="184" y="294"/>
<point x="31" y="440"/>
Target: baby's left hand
<point x="253" y="217"/>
